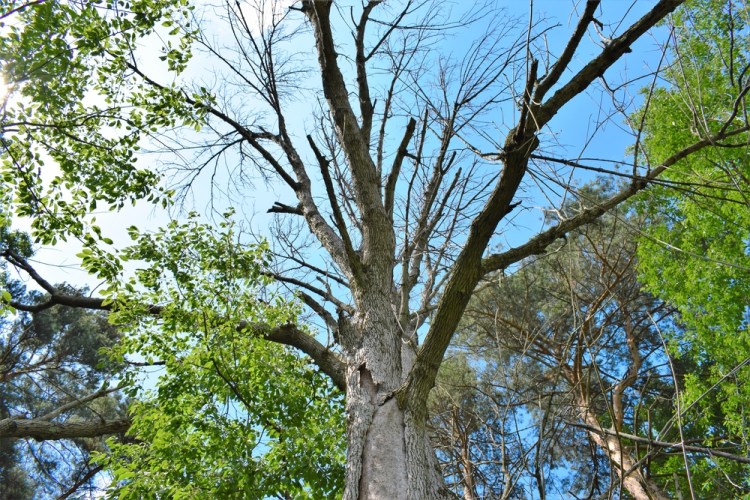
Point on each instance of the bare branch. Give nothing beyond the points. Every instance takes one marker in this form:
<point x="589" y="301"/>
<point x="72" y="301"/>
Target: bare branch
<point x="321" y="311"/>
<point x="667" y="446"/>
<point x="365" y="103"/>
<point x="390" y="185"/>
<point x="83" y="480"/>
<point x="338" y="218"/>
<point x="538" y="244"/>
<point x="78" y="402"/>
<point x="302" y="284"/>
<point x="554" y="74"/>
<point x="378" y="237"/>
<point x="281" y="208"/>
<point x="41" y="430"/>
<point x="597" y="66"/>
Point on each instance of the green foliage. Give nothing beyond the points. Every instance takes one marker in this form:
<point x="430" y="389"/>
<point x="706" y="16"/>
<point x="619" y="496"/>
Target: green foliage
<point x="243" y="417"/>
<point x="695" y="251"/>
<point x="76" y="112"/>
<point x="230" y="413"/>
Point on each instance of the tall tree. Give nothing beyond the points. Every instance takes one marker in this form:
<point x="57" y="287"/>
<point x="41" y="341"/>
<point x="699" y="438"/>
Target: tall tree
<point x="570" y="348"/>
<point x="397" y="183"/>
<point x="694" y="251"/>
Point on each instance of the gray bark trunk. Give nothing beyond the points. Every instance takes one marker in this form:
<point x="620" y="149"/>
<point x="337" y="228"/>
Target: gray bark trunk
<point x="390" y="455"/>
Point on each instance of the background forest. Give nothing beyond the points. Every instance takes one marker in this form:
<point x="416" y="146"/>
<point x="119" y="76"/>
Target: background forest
<point x="375" y="249"/>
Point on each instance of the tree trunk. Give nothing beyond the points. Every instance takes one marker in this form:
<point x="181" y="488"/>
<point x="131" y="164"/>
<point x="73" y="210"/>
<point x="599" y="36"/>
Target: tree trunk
<point x="390" y="455"/>
<point x="634" y="481"/>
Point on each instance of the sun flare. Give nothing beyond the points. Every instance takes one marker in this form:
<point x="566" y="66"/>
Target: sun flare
<point x="4" y="91"/>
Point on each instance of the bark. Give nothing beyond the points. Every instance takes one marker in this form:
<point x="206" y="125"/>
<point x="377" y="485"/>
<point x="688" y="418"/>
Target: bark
<point x="44" y="429"/>
<point x="389" y="452"/>
<point x="634" y="481"/>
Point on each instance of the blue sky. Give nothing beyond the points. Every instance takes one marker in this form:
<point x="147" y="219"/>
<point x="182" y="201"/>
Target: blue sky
<point x="569" y="134"/>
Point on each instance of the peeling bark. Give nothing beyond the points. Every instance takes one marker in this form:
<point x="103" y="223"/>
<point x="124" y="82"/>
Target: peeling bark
<point x="384" y="463"/>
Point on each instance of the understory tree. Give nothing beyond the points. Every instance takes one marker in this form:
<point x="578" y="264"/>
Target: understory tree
<point x="57" y="389"/>
<point x="415" y="151"/>
<point x="560" y="377"/>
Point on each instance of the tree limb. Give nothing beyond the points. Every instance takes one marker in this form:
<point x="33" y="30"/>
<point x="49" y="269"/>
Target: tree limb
<point x="285" y="334"/>
<point x="390" y="185"/>
<point x="354" y="261"/>
<point x="704" y="450"/>
<point x="539" y="243"/>
<point x="43" y="430"/>
<point x="548" y="80"/>
<point x="326" y="359"/>
<point x="378" y="238"/>
<point x="365" y="103"/>
<point x="281" y="208"/>
<point x="78" y="402"/>
<point x="86" y="478"/>
<point x="598" y="65"/>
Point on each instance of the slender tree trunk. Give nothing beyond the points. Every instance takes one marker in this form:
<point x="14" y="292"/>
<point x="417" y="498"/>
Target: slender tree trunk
<point x="467" y="469"/>
<point x="634" y="481"/>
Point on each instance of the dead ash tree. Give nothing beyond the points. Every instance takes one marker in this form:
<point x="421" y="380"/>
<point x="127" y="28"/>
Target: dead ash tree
<point x="408" y="172"/>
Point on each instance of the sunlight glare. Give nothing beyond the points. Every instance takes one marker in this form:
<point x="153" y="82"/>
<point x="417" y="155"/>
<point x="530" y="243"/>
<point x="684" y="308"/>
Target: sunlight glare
<point x="4" y="91"/>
